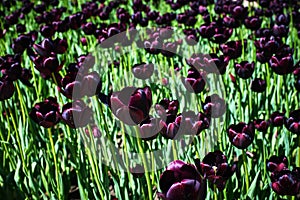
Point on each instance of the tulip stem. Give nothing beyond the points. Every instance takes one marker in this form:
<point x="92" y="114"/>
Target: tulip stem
<point x="298" y="151"/>
<point x="141" y="151"/>
<point x="246" y="170"/>
<point x="55" y="162"/>
<point x="215" y="192"/>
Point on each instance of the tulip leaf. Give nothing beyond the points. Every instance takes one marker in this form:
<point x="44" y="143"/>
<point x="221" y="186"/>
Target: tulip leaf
<point x="253" y="186"/>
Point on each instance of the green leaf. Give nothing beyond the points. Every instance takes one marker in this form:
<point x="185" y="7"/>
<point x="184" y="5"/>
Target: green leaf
<point x="253" y="186"/>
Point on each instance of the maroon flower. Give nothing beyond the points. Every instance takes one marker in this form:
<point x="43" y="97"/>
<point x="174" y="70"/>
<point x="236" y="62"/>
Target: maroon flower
<point x="277" y="163"/>
<point x="282" y="65"/>
<point x="258" y="85"/>
<point x="46" y="113"/>
<point x="215" y="168"/>
<point x="277" y="118"/>
<point x="143" y="71"/>
<point x="7" y="89"/>
<point x="241" y="135"/>
<point x="293" y="122"/>
<point x="244" y="69"/>
<point x="253" y="23"/>
<point x="195" y="81"/>
<point x="286" y="182"/>
<point x="76" y="114"/>
<point x="131" y="105"/>
<point x="214" y="106"/>
<point x="233" y="49"/>
<point x="261" y="125"/>
<point x="151" y="127"/>
<point x="181" y="181"/>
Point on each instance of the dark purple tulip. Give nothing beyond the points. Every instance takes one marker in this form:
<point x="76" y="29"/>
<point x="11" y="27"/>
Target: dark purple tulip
<point x="167" y="109"/>
<point x="258" y="85"/>
<point x="239" y="12"/>
<point x="76" y="114"/>
<point x="151" y="127"/>
<point x="230" y="22"/>
<point x="89" y="28"/>
<point x="261" y="125"/>
<point x="282" y="19"/>
<point x="241" y="135"/>
<point x="195" y="81"/>
<point x="277" y="163"/>
<point x="189" y="123"/>
<point x="244" y="69"/>
<point x="215" y="168"/>
<point x="68" y="83"/>
<point x="143" y="71"/>
<point x="14" y="72"/>
<point x="263" y="32"/>
<point x="286" y="182"/>
<point x="7" y="89"/>
<point x="280" y="30"/>
<point x="21" y="43"/>
<point x="131" y="105"/>
<point x="181" y="181"/>
<point x="214" y="106"/>
<point x="253" y="23"/>
<point x="284" y="65"/>
<point x="46" y="113"/>
<point x="90" y="84"/>
<point x="277" y="118"/>
<point x="47" y="66"/>
<point x="233" y="49"/>
<point x="293" y="122"/>
<point x="47" y="31"/>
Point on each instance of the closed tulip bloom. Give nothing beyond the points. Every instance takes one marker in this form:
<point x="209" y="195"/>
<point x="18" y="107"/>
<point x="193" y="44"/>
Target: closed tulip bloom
<point x="131" y="105"/>
<point x="293" y="122"/>
<point x="7" y="89"/>
<point x="286" y="182"/>
<point x="258" y="85"/>
<point x="76" y="114"/>
<point x="214" y="106"/>
<point x="181" y="181"/>
<point x="151" y="127"/>
<point x="244" y="69"/>
<point x="277" y="118"/>
<point x="233" y="49"/>
<point x="277" y="163"/>
<point x="282" y="65"/>
<point x="195" y="81"/>
<point x="46" y="113"/>
<point x="143" y="71"/>
<point x="241" y="135"/>
<point x="261" y="125"/>
<point x="253" y="23"/>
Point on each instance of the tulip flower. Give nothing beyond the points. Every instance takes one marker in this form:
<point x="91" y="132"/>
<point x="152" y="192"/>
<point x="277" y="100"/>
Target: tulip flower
<point x="46" y="113"/>
<point x="76" y="114"/>
<point x="143" y="71"/>
<point x="241" y="135"/>
<point x="277" y="163"/>
<point x="7" y="89"/>
<point x="181" y="181"/>
<point x="261" y="125"/>
<point x="244" y="69"/>
<point x="277" y="118"/>
<point x="286" y="182"/>
<point x="131" y="105"/>
<point x="293" y="122"/>
<point x="214" y="106"/>
<point x="258" y="85"/>
<point x="282" y="65"/>
<point x="195" y="81"/>
<point x="214" y="167"/>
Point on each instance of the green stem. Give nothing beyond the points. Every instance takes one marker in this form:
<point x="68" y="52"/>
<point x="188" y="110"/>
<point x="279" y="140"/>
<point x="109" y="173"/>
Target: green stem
<point x="55" y="162"/>
<point x="246" y="170"/>
<point x="141" y="151"/>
